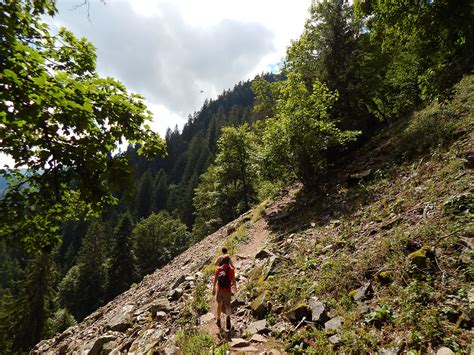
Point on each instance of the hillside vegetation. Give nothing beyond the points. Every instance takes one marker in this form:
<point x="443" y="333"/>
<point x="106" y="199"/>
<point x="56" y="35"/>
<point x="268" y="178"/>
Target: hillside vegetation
<point x="379" y="261"/>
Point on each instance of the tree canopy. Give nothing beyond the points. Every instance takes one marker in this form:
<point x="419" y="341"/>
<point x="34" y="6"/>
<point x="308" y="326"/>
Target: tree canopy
<point x="62" y="124"/>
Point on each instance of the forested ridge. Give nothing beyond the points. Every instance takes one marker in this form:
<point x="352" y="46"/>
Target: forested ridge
<point x="81" y="225"/>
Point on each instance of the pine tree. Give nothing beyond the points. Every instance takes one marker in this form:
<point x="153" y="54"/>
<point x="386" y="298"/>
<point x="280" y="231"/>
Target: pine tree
<point x="144" y="197"/>
<point x="24" y="318"/>
<point x="122" y="271"/>
<point x="83" y="289"/>
<point x="160" y="191"/>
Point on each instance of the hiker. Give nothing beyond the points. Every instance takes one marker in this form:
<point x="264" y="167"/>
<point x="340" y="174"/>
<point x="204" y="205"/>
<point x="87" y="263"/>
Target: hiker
<point x="224" y="281"/>
<point x="218" y="261"/>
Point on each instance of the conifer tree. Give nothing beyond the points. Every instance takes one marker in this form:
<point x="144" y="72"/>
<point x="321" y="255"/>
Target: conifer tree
<point x="160" y="191"/>
<point x="144" y="197"/>
<point x="83" y="289"/>
<point x="122" y="270"/>
<point x="24" y="318"/>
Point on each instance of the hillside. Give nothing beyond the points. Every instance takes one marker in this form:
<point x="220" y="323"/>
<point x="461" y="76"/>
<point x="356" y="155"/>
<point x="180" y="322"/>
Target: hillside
<point x="380" y="260"/>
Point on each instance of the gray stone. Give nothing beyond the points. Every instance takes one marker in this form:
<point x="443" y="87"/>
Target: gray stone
<point x="238" y="301"/>
<point x="334" y="339"/>
<point x="94" y="347"/>
<point x="239" y="343"/>
<point x="178" y="281"/>
<point x="333" y="324"/>
<point x="207" y="317"/>
<point x="108" y="347"/>
<point x="175" y="294"/>
<point x="259" y="306"/>
<point x="363" y="292"/>
<point x="171" y="350"/>
<point x="326" y="248"/>
<point x="277" y="264"/>
<point x="123" y="319"/>
<point x="257" y="338"/>
<point x="262" y="254"/>
<point x="318" y="310"/>
<point x="444" y="351"/>
<point x="161" y="304"/>
<point x="362" y="307"/>
<point x="160" y="315"/>
<point x="147" y="340"/>
<point x="257" y="327"/>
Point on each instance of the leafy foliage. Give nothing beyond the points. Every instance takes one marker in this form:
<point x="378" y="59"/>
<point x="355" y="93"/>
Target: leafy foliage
<point x="157" y="239"/>
<point x="228" y="188"/>
<point x="296" y="141"/>
<point x="61" y="121"/>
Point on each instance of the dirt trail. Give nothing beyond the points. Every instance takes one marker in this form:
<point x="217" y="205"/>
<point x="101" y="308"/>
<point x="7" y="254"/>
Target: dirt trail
<point x="244" y="254"/>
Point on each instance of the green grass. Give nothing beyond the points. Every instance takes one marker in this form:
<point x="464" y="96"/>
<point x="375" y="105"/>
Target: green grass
<point x="194" y="342"/>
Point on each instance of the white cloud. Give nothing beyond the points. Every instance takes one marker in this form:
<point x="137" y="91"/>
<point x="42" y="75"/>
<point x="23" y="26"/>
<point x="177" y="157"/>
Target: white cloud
<point x="171" y="50"/>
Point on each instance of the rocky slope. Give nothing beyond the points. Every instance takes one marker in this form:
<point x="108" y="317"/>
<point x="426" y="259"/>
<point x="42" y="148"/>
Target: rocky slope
<point x="381" y="261"/>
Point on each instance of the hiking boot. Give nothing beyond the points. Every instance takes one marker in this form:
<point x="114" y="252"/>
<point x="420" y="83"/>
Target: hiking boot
<point x="227" y="323"/>
<point x="218" y="323"/>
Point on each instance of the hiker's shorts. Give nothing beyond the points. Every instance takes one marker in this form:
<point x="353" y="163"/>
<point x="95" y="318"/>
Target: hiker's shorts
<point x="223" y="298"/>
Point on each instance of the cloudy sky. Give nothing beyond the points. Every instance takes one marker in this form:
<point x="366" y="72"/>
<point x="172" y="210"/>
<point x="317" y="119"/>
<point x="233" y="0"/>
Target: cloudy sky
<point x="177" y="53"/>
<point x="171" y="50"/>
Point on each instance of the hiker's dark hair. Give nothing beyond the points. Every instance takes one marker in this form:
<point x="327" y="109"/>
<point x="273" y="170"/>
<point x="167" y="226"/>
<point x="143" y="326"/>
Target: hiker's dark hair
<point x="226" y="259"/>
<point x="224" y="250"/>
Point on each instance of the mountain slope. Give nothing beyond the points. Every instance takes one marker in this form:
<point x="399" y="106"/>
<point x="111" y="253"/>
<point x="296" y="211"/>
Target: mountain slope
<point x="380" y="260"/>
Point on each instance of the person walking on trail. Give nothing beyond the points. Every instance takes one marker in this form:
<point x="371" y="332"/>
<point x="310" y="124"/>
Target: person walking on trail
<point x="218" y="261"/>
<point x="224" y="281"/>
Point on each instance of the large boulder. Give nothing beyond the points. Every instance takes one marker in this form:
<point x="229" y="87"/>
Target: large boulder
<point x="259" y="326"/>
<point x="178" y="281"/>
<point x="239" y="343"/>
<point x="146" y="341"/>
<point x="175" y="294"/>
<point x="122" y="320"/>
<point x="94" y="346"/>
<point x="259" y="306"/>
<point x="160" y="305"/>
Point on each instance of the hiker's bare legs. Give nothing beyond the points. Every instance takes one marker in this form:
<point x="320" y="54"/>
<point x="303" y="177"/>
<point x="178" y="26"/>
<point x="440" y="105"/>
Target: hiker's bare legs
<point x="218" y="313"/>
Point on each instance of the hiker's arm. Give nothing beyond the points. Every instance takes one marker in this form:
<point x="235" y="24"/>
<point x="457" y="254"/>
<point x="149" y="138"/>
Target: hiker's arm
<point x="231" y="263"/>
<point x="217" y="261"/>
<point x="233" y="282"/>
<point x="214" y="284"/>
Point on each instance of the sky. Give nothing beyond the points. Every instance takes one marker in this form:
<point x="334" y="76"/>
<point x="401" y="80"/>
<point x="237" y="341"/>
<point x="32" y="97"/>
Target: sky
<point x="177" y="53"/>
